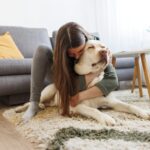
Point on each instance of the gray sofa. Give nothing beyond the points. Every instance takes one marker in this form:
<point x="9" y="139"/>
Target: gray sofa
<point x="15" y="74"/>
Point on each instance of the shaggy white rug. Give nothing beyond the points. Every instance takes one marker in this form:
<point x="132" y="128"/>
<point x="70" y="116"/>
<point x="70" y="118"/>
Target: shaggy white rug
<point x="48" y="130"/>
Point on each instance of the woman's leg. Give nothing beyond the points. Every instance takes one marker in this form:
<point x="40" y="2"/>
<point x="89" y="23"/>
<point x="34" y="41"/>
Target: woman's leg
<point x="41" y="66"/>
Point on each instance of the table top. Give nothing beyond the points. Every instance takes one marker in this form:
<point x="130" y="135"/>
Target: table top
<point x="132" y="53"/>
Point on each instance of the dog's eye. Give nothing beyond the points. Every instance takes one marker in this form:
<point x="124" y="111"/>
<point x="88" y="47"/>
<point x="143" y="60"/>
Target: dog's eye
<point x="103" y="46"/>
<point x="93" y="64"/>
<point x="90" y="47"/>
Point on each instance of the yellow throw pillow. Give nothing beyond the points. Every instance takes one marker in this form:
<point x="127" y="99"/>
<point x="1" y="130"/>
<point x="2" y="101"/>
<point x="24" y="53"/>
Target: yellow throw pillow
<point x="8" y="48"/>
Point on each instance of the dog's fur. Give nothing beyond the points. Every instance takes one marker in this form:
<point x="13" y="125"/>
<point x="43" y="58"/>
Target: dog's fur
<point x="94" y="59"/>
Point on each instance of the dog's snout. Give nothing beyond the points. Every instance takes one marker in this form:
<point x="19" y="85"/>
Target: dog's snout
<point x="103" y="53"/>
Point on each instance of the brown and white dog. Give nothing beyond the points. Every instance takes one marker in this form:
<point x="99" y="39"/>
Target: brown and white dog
<point x="94" y="59"/>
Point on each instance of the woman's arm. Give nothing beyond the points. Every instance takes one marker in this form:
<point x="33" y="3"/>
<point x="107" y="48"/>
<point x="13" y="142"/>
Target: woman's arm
<point x="102" y="88"/>
<point x="86" y="94"/>
<point x="109" y="82"/>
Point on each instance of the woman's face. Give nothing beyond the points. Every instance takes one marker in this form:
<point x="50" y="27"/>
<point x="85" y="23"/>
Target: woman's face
<point x="76" y="52"/>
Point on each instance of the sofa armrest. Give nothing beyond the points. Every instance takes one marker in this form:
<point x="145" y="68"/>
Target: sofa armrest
<point x="15" y="67"/>
<point x="125" y="68"/>
<point x="124" y="63"/>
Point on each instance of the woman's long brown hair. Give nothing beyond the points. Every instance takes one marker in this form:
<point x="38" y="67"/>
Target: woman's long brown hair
<point x="70" y="35"/>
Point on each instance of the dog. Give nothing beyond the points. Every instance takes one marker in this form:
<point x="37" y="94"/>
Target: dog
<point x="94" y="59"/>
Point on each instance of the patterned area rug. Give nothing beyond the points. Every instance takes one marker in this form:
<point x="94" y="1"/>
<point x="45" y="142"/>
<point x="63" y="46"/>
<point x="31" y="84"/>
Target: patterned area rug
<point x="50" y="131"/>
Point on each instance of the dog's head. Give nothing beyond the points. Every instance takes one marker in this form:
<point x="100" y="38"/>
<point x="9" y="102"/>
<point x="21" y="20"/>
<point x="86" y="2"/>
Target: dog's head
<point x="95" y="58"/>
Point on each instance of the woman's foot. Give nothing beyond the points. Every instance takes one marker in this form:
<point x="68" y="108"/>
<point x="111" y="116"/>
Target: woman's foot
<point x="31" y="111"/>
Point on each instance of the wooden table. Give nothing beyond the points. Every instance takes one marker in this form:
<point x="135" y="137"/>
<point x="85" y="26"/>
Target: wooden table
<point x="137" y="54"/>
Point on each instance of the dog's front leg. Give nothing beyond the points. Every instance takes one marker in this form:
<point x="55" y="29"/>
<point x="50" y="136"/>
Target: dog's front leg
<point x="87" y="111"/>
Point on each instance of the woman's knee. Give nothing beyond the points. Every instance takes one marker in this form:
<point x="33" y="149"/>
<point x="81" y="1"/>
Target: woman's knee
<point x="43" y="51"/>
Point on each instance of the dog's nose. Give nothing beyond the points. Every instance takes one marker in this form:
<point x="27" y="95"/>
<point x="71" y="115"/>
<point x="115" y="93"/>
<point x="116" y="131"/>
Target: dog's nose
<point x="103" y="53"/>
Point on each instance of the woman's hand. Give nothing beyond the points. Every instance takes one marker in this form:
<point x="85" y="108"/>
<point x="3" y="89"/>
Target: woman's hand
<point x="84" y="95"/>
<point x="74" y="100"/>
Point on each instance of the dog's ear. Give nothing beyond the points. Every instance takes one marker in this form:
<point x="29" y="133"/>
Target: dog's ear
<point x="89" y="44"/>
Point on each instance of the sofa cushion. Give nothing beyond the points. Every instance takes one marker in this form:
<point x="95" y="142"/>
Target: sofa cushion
<point x="8" y="48"/>
<point x="123" y="76"/>
<point x="15" y="67"/>
<point x="14" y="84"/>
<point x="15" y="99"/>
<point x="124" y="63"/>
<point x="27" y="39"/>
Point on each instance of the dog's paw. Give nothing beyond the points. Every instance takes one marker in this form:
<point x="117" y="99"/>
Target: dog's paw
<point x="19" y="109"/>
<point x="41" y="106"/>
<point x="144" y="114"/>
<point x="106" y="120"/>
<point x="22" y="108"/>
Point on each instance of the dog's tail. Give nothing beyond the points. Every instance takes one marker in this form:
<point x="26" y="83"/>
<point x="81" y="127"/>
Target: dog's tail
<point x="22" y="108"/>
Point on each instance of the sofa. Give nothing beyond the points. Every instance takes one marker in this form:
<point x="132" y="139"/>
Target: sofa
<point x="15" y="74"/>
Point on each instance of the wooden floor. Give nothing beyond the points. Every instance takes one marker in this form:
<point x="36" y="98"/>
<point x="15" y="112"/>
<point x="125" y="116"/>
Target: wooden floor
<point x="10" y="139"/>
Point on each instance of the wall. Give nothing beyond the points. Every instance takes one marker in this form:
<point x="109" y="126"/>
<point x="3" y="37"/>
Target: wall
<point x="123" y="28"/>
<point x="93" y="15"/>
<point x="48" y="13"/>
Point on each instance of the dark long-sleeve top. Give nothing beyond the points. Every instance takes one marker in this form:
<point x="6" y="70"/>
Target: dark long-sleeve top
<point x="107" y="84"/>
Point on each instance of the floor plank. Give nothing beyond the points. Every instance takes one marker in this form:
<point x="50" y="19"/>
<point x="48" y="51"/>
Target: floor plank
<point x="10" y="139"/>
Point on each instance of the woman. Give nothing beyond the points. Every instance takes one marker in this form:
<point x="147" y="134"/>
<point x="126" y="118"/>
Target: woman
<point x="70" y="42"/>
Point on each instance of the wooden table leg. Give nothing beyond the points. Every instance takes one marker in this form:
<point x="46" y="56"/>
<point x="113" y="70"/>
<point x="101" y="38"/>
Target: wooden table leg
<point x="134" y="77"/>
<point x="146" y="73"/>
<point x="139" y="76"/>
